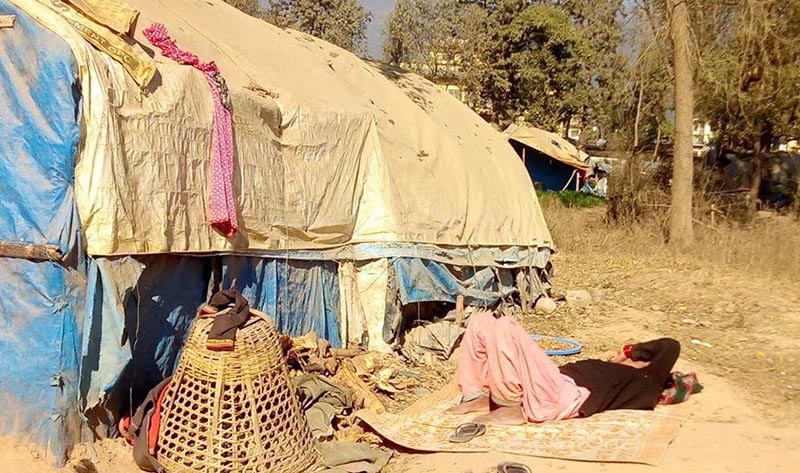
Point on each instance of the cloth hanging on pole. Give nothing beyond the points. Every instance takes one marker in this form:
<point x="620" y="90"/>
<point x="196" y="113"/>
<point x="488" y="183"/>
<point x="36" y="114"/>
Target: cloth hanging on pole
<point x="221" y="204"/>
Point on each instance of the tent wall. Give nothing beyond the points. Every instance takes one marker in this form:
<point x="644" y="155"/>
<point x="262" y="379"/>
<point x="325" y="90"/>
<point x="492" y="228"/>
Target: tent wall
<point x="366" y="303"/>
<point x="94" y="334"/>
<point x="41" y="302"/>
<point x="547" y="173"/>
<point x="301" y="296"/>
<point x="141" y="309"/>
<point x="374" y="293"/>
<point x="331" y="151"/>
<point x="421" y="280"/>
<point x="138" y="315"/>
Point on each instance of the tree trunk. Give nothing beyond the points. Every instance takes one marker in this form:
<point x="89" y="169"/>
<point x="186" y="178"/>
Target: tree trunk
<point x="755" y="183"/>
<point x="763" y="145"/>
<point x="680" y="222"/>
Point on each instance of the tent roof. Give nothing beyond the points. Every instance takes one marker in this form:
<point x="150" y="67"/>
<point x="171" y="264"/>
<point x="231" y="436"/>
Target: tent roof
<point x="548" y="143"/>
<point x="331" y="151"/>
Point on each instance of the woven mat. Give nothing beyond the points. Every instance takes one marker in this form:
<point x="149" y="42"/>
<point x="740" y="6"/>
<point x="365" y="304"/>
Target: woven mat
<point x="614" y="436"/>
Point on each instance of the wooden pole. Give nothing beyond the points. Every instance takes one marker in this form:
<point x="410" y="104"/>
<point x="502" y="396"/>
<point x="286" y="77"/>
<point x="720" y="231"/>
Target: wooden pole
<point x="31" y="251"/>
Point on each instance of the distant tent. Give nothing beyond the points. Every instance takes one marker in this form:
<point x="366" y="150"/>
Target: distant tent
<point x="354" y="183"/>
<point x="553" y="163"/>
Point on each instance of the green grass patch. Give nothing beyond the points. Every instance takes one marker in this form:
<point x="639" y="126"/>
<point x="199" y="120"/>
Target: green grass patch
<point x="572" y="199"/>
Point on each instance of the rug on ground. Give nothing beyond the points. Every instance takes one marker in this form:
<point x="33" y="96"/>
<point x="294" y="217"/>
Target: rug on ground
<point x="613" y="436"/>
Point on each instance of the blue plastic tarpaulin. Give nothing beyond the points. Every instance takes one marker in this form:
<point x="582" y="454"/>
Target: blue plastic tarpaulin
<point x="41" y="303"/>
<point x="140" y="309"/>
<point x="300" y="296"/>
<point x="421" y="280"/>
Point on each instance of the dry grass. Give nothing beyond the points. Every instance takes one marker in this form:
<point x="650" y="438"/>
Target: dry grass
<point x="766" y="247"/>
<point x="734" y="289"/>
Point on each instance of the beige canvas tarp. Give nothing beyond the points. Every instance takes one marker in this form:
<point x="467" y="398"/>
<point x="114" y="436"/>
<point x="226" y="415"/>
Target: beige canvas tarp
<point x="114" y="14"/>
<point x="331" y="151"/>
<point x="551" y="144"/>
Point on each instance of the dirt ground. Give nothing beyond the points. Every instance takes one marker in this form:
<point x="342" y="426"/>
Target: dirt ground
<point x="745" y="421"/>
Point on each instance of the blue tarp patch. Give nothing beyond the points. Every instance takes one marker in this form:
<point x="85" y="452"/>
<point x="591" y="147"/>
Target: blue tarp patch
<point x="138" y="316"/>
<point x="40" y="302"/>
<point x="141" y="308"/>
<point x="421" y="280"/>
<point x="546" y="173"/>
<point x="300" y="296"/>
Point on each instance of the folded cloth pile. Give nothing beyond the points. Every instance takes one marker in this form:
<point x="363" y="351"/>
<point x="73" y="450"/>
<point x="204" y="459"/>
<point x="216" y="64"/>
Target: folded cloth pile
<point x="232" y="312"/>
<point x="322" y="400"/>
<point x="679" y="387"/>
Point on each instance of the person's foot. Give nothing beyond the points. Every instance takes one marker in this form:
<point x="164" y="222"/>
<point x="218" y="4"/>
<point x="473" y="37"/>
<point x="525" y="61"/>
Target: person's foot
<point x="480" y="404"/>
<point x="502" y="415"/>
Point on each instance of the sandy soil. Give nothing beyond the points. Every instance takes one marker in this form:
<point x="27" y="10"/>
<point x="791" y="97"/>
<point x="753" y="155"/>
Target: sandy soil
<point x="746" y="420"/>
<point x="723" y="434"/>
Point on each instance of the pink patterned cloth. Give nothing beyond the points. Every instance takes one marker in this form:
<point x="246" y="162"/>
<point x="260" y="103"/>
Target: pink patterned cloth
<point x="499" y="358"/>
<point x="221" y="204"/>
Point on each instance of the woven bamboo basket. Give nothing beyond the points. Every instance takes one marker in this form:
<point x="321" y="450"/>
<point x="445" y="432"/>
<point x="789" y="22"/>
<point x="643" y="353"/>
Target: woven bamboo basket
<point x="234" y="411"/>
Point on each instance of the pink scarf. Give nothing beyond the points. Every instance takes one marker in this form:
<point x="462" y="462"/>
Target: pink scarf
<point x="221" y="205"/>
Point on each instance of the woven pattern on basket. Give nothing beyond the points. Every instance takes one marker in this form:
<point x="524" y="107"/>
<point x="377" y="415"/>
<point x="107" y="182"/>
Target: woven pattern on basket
<point x="234" y="411"/>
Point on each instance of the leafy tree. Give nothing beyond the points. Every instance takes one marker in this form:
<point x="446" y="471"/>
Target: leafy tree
<point x="439" y="39"/>
<point x="536" y="65"/>
<point x="251" y="7"/>
<point x="540" y="61"/>
<point x="601" y="23"/>
<point x="421" y="36"/>
<point x="750" y="73"/>
<point x="341" y="22"/>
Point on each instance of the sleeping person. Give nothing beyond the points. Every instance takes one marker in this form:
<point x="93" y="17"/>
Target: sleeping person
<point x="502" y="370"/>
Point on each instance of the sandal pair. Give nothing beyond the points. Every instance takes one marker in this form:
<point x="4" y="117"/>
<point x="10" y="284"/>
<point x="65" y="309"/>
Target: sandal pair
<point x="471" y="430"/>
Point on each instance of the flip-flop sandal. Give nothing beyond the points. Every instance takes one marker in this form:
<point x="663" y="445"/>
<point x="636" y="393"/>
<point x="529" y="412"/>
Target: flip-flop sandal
<point x="508" y="467"/>
<point x="466" y="432"/>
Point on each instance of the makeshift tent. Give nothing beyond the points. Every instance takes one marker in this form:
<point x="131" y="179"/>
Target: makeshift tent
<point x="358" y="189"/>
<point x="553" y="163"/>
